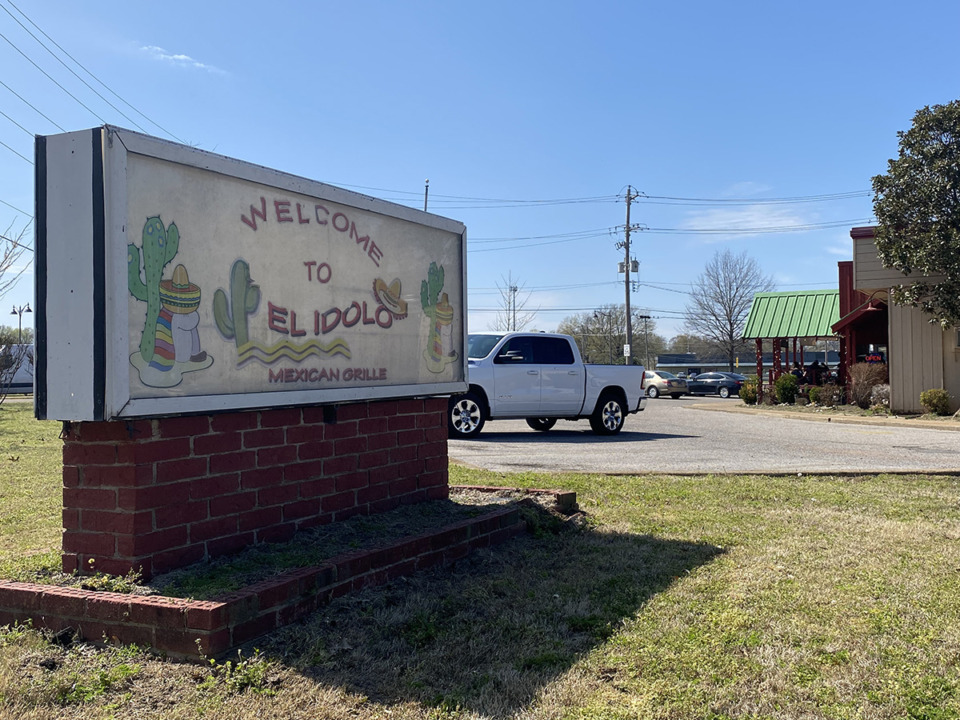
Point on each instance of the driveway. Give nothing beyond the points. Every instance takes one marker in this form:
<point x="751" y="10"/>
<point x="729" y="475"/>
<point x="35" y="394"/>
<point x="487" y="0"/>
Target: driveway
<point x="690" y="436"/>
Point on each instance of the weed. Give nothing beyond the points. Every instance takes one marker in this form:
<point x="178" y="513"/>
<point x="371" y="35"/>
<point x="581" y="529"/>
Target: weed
<point x="241" y="675"/>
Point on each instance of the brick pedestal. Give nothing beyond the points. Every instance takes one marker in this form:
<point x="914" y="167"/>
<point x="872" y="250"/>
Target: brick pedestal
<point x="155" y="495"/>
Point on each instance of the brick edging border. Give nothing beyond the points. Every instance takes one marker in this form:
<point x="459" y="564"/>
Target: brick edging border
<point x="194" y="629"/>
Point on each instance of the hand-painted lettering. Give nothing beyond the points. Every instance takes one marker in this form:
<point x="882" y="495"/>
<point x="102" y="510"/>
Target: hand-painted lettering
<point x="282" y="208"/>
<point x="254" y="214"/>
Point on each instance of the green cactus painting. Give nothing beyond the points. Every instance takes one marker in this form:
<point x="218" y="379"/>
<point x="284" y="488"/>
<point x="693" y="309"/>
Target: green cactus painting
<point x="439" y="352"/>
<point x="231" y="314"/>
<point x="430" y="289"/>
<point x="159" y="246"/>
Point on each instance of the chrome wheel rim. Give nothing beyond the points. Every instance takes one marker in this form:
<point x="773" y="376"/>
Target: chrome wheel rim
<point x="612" y="415"/>
<point x="466" y="416"/>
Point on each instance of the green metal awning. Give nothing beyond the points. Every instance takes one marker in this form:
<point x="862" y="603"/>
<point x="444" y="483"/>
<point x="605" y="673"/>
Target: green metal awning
<point x="804" y="314"/>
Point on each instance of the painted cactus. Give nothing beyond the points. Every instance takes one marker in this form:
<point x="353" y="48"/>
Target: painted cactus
<point x="231" y="315"/>
<point x="159" y="246"/>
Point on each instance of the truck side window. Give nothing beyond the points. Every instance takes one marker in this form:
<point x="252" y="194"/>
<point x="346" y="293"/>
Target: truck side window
<point x="516" y="351"/>
<point x="552" y="351"/>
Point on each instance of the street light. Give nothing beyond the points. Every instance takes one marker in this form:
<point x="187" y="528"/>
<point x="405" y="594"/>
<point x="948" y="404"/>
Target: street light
<point x="19" y="311"/>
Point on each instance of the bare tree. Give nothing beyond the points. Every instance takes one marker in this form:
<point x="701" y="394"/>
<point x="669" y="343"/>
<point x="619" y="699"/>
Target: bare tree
<point x="12" y="354"/>
<point x="513" y="313"/>
<point x="601" y="334"/>
<point x="720" y="300"/>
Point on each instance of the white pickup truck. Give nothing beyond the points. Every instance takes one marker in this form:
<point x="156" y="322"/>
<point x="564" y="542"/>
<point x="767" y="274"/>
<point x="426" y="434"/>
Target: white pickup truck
<point x="540" y="377"/>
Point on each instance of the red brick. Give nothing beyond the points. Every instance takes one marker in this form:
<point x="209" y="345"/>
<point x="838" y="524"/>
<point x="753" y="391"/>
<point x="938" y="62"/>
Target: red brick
<point x="339" y="501"/>
<point x="313" y="415"/>
<point x="409" y="437"/>
<point x="403" y="485"/>
<point x="317" y="487"/>
<point x="23" y="596"/>
<point x="270" y="457"/>
<point x="176" y="558"/>
<point x="108" y="606"/>
<point x="349" y="512"/>
<point x="161" y="612"/>
<point x="305" y="470"/>
<point x="261" y="477"/>
<point x="91" y="432"/>
<point x="217" y="443"/>
<point x="277" y="495"/>
<point x="401" y="422"/>
<point x="71" y="476"/>
<point x="276" y="533"/>
<point x="230" y="545"/>
<point x="126" y="523"/>
<point x="181" y="513"/>
<point x="65" y="602"/>
<point x="338" y="465"/>
<point x="351" y="481"/>
<point x="217" y="527"/>
<point x="350" y="446"/>
<point x="303" y="434"/>
<point x="260" y="518"/>
<point x="181" y="469"/>
<point x="150" y="543"/>
<point x="90" y="498"/>
<point x="340" y="430"/>
<point x="160" y="450"/>
<point x="145" y="498"/>
<point x="254" y="628"/>
<point x="275" y="591"/>
<point x="230" y="422"/>
<point x="70" y="518"/>
<point x="215" y="485"/>
<point x="436" y="435"/>
<point x="314" y="450"/>
<point x="301" y="509"/>
<point x="280" y="418"/>
<point x="382" y="441"/>
<point x="373" y="459"/>
<point x="184" y="426"/>
<point x="372" y="494"/>
<point x="372" y="426"/>
<point x="231" y="504"/>
<point x="385" y="505"/>
<point x="206" y="615"/>
<point x="231" y="462"/>
<point x="109" y="475"/>
<point x="70" y="563"/>
<point x="263" y="437"/>
<point x="89" y="453"/>
<point x="384" y="408"/>
<point x="355" y="411"/>
<point x="408" y="452"/>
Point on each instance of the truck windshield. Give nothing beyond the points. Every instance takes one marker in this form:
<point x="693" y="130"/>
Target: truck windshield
<point x="479" y="346"/>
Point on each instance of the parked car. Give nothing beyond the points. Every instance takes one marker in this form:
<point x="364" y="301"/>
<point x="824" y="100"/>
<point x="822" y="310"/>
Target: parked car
<point x="540" y="377"/>
<point x="723" y="384"/>
<point x="660" y="382"/>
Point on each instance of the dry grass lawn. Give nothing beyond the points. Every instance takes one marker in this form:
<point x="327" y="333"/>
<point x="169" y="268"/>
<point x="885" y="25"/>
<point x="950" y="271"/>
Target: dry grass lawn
<point x="682" y="597"/>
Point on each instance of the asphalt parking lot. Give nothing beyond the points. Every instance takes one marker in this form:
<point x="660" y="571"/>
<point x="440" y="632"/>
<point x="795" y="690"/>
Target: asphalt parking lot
<point x="700" y="435"/>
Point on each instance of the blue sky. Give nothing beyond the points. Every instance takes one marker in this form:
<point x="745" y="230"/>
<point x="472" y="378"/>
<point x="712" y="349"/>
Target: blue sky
<point x="530" y="120"/>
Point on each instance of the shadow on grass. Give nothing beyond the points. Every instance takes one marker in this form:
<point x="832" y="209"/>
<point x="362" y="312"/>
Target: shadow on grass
<point x="487" y="635"/>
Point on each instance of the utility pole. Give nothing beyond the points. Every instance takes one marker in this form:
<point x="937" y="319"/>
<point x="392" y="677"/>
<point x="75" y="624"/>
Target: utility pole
<point x="628" y="350"/>
<point x="646" y="342"/>
<point x="426" y="192"/>
<point x="513" y="304"/>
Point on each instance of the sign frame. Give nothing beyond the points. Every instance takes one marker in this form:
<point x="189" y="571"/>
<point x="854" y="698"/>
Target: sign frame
<point x="81" y="299"/>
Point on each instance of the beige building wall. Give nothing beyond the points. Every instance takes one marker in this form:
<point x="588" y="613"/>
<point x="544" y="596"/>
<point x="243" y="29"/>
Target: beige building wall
<point x="916" y="357"/>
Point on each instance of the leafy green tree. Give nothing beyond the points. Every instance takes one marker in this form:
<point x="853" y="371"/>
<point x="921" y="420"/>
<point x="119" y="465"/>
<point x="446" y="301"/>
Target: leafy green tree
<point x="917" y="205"/>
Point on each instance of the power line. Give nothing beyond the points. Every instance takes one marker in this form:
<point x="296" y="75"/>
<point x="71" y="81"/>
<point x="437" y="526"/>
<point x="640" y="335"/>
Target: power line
<point x="95" y="78"/>
<point x="823" y="197"/>
<point x="33" y="107"/>
<point x="22" y="157"/>
<point x="14" y="207"/>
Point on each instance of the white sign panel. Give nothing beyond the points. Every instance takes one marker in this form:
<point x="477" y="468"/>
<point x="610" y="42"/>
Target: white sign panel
<point x="216" y="284"/>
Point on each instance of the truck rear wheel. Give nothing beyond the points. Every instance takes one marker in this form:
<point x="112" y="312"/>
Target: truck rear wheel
<point x="464" y="416"/>
<point x="541" y="424"/>
<point x="609" y="415"/>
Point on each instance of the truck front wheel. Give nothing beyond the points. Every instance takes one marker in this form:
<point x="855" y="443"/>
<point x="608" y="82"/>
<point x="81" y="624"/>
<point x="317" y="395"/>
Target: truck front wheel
<point x="464" y="416"/>
<point x="609" y="415"/>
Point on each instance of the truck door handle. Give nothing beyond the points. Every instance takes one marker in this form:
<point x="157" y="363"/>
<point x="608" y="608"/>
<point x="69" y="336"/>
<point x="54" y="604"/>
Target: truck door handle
<point x="572" y="372"/>
<point x="532" y="372"/>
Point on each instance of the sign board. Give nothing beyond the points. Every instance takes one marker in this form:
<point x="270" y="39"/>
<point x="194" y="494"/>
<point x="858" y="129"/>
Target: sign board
<point x="172" y="280"/>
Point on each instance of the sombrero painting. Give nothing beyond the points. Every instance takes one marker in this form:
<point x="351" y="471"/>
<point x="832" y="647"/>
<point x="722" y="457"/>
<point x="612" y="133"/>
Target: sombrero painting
<point x="389" y="297"/>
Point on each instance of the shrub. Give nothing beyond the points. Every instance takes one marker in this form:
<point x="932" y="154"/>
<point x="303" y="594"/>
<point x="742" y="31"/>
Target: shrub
<point x="786" y="387"/>
<point x="814" y="394"/>
<point x="828" y="395"/>
<point x="936" y="401"/>
<point x="863" y="378"/>
<point x="880" y="396"/>
<point x="748" y="393"/>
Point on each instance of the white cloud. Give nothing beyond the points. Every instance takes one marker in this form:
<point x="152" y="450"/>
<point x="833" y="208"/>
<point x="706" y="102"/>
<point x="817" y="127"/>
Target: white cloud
<point x="179" y="60"/>
<point x="746" y="221"/>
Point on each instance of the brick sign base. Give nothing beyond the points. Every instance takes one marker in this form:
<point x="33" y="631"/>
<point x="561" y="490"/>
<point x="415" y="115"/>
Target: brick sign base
<point x="156" y="495"/>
